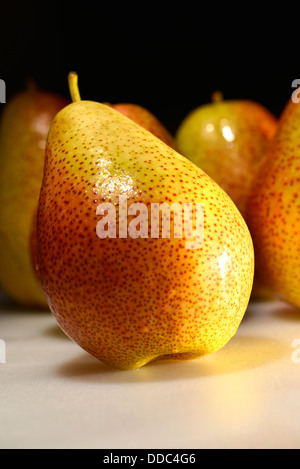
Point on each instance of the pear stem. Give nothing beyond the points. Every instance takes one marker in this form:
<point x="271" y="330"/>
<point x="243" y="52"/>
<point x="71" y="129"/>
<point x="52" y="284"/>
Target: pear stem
<point x="73" y="86"/>
<point x="217" y="96"/>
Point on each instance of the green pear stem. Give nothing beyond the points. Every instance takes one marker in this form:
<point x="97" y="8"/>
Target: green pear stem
<point x="73" y="86"/>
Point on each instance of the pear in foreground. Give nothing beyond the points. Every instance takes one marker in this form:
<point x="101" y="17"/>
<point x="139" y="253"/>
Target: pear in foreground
<point x="274" y="210"/>
<point x="132" y="298"/>
<point x="24" y="127"/>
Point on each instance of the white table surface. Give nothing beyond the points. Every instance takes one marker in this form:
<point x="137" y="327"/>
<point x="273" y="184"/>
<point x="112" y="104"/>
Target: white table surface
<point x="55" y="395"/>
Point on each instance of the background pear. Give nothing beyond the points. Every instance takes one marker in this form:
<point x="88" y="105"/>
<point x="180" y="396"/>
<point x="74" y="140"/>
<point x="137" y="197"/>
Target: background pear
<point x="24" y="127"/>
<point x="273" y="211"/>
<point x="226" y="138"/>
<point x="126" y="300"/>
<point x="146" y="119"/>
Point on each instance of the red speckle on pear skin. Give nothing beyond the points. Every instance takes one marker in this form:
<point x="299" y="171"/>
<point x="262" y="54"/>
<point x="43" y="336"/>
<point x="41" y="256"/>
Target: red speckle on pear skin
<point x="129" y="301"/>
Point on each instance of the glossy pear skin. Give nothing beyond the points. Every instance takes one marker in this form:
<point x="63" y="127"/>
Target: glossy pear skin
<point x="226" y="139"/>
<point x="274" y="210"/>
<point x="24" y="127"/>
<point x="129" y="301"/>
<point x="146" y="119"/>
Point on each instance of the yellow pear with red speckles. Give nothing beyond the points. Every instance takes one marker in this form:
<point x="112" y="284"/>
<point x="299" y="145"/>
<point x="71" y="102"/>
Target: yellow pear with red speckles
<point x="141" y="255"/>
<point x="273" y="213"/>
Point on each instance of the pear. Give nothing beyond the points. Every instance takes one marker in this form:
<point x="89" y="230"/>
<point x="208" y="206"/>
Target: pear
<point x="273" y="212"/>
<point x="147" y="119"/>
<point x="24" y="127"/>
<point x="123" y="291"/>
<point x="226" y="138"/>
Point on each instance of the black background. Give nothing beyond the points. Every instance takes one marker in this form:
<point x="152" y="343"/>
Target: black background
<point x="166" y="56"/>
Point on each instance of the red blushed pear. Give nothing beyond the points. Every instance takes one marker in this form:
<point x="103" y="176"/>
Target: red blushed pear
<point x="24" y="127"/>
<point x="273" y="213"/>
<point x="131" y="300"/>
<point x="146" y="119"/>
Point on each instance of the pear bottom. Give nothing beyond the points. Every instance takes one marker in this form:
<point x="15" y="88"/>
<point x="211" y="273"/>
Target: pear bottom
<point x="133" y="356"/>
